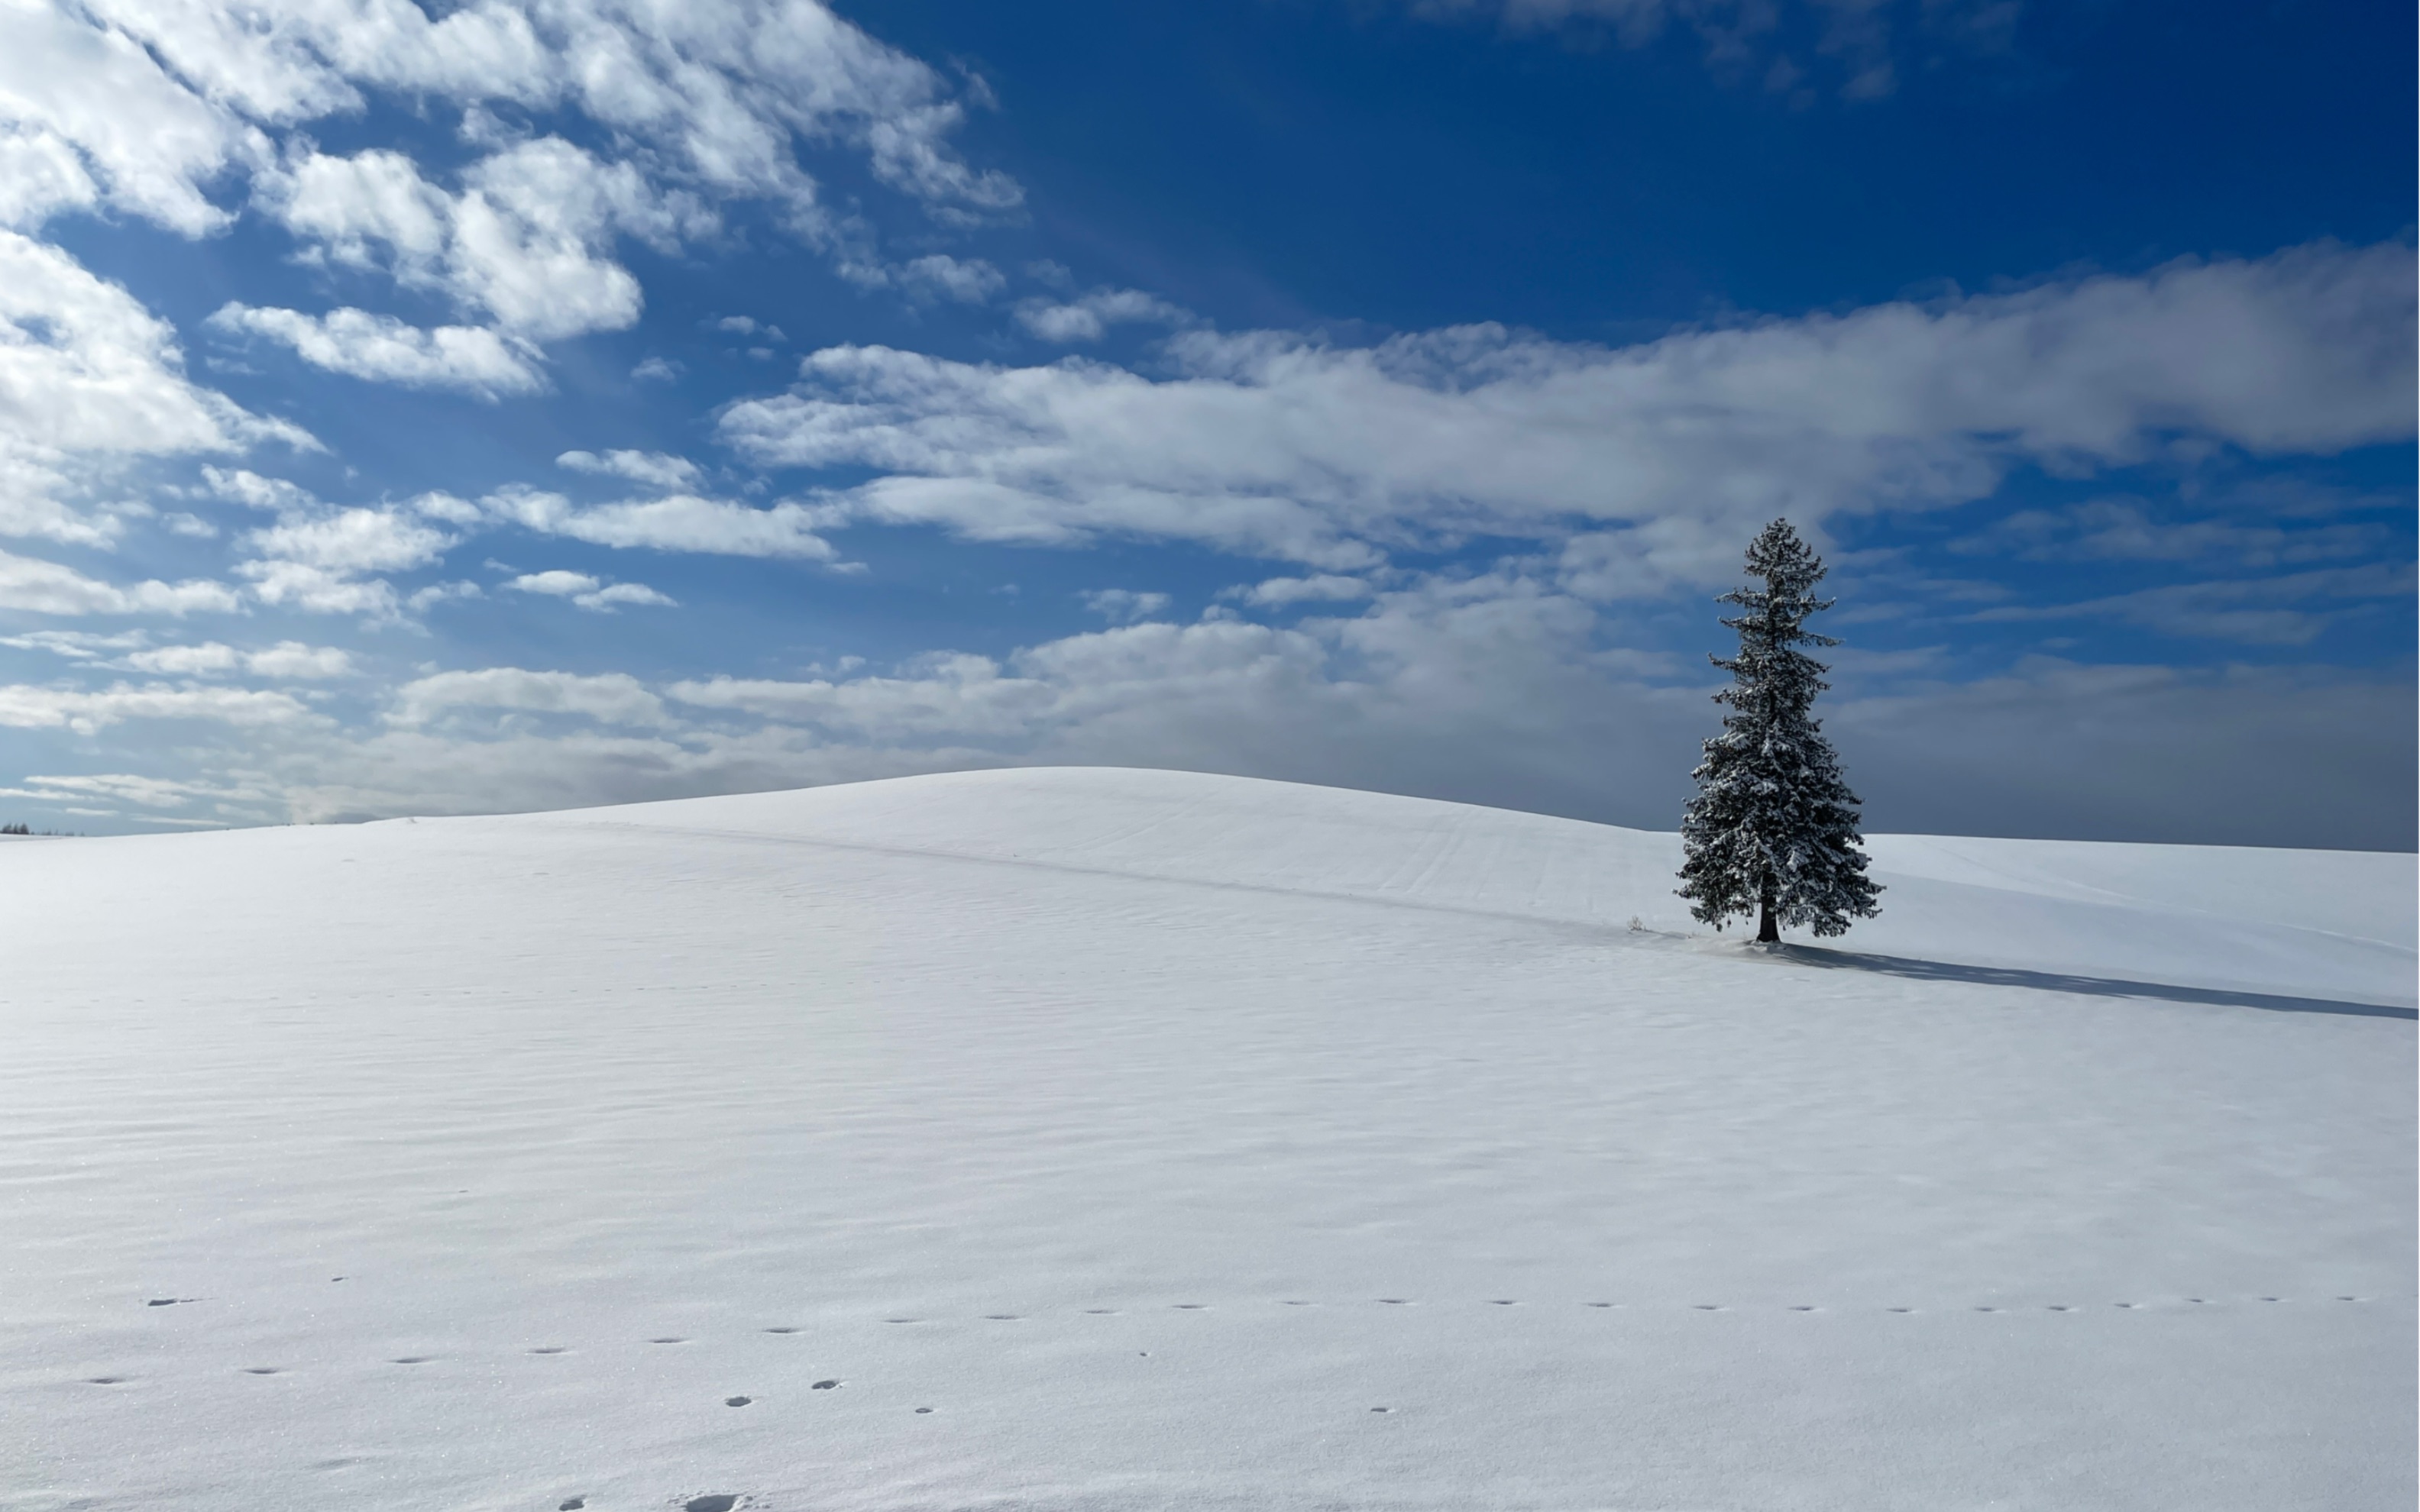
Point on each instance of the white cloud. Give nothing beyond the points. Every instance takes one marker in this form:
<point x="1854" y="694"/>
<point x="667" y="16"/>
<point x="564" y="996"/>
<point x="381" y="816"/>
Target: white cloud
<point x="1274" y="444"/>
<point x="587" y="592"/>
<point x="612" y="698"/>
<point x="682" y="522"/>
<point x="615" y="593"/>
<point x="744" y="325"/>
<point x="1322" y="588"/>
<point x="656" y="470"/>
<point x="658" y="370"/>
<point x="286" y="658"/>
<point x="318" y="590"/>
<point x="244" y="486"/>
<point x="967" y="281"/>
<point x="186" y="661"/>
<point x="1089" y="318"/>
<point x="91" y="380"/>
<point x="440" y="594"/>
<point x="84" y="711"/>
<point x="1124" y="606"/>
<point x="559" y="583"/>
<point x="76" y="645"/>
<point x="119" y="787"/>
<point x="354" y="541"/>
<point x="717" y="96"/>
<point x="40" y="587"/>
<point x="2289" y="610"/>
<point x="94" y="119"/>
<point x="383" y="349"/>
<point x="292" y="658"/>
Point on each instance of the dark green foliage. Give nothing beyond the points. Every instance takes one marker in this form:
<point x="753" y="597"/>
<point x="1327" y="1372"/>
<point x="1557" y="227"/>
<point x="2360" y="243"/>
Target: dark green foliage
<point x="1773" y="831"/>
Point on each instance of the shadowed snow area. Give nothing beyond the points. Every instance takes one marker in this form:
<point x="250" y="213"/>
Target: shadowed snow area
<point x="1101" y="1139"/>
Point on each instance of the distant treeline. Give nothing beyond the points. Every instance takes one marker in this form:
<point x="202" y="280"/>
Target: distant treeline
<point x="22" y="829"/>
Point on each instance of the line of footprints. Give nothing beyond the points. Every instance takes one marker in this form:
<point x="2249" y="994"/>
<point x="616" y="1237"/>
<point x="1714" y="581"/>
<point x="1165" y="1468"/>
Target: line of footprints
<point x="725" y="1503"/>
<point x="1289" y="1302"/>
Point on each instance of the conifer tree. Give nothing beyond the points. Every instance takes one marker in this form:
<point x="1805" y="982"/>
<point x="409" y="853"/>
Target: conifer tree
<point x="1773" y="830"/>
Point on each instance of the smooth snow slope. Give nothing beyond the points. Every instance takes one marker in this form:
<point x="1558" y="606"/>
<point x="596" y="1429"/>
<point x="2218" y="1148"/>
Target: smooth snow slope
<point x="1154" y="1131"/>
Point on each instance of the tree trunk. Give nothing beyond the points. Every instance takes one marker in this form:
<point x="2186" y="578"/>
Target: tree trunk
<point x="1767" y="932"/>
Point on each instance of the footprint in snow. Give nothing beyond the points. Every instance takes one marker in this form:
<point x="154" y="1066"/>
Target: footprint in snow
<point x="781" y="1331"/>
<point x="1101" y="1312"/>
<point x="1191" y="1306"/>
<point x="106" y="1380"/>
<point x="571" y="1503"/>
<point x="1707" y="1306"/>
<point x="167" y="1301"/>
<point x="411" y="1359"/>
<point x="1396" y="1301"/>
<point x="260" y="1370"/>
<point x="717" y="1502"/>
<point x="552" y="1349"/>
<point x="1000" y="1318"/>
<point x="668" y="1341"/>
<point x="736" y="1401"/>
<point x="826" y="1385"/>
<point x="1505" y="1302"/>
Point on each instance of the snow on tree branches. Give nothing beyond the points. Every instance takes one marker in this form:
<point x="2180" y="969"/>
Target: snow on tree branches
<point x="1773" y="830"/>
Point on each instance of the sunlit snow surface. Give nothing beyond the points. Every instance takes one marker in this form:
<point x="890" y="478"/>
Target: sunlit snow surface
<point x="1191" y="1142"/>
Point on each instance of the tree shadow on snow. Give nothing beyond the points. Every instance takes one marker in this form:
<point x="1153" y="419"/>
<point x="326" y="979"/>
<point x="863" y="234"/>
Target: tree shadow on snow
<point x="2059" y="981"/>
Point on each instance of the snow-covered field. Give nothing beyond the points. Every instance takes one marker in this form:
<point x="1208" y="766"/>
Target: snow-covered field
<point x="1096" y="1140"/>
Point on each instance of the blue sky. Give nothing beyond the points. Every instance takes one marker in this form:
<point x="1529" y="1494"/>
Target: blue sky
<point x="501" y="406"/>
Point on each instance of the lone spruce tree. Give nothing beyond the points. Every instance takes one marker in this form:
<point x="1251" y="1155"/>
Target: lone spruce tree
<point x="1773" y="830"/>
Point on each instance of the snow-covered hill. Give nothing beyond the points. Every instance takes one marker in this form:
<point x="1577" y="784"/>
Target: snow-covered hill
<point x="1106" y="1140"/>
